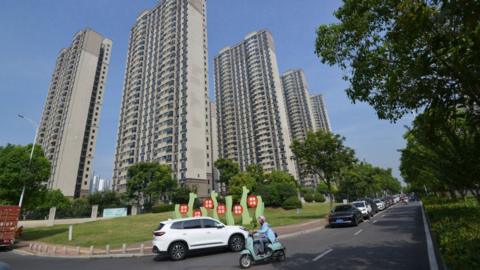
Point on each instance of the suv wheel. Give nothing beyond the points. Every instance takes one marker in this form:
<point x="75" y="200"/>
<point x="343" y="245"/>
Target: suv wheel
<point x="177" y="251"/>
<point x="236" y="243"/>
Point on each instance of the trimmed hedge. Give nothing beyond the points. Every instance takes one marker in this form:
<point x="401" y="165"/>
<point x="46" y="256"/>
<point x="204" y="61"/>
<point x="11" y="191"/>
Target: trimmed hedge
<point x="292" y="203"/>
<point x="308" y="197"/>
<point x="318" y="197"/>
<point x="455" y="225"/>
<point x="160" y="208"/>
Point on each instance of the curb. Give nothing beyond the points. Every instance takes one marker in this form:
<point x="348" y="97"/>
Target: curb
<point x="99" y="256"/>
<point x="432" y="243"/>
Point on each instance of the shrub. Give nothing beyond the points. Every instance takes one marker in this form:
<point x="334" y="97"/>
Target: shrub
<point x="291" y="203"/>
<point x="456" y="226"/>
<point x="318" y="197"/>
<point x="308" y="197"/>
<point x="274" y="194"/>
<point x="160" y="208"/>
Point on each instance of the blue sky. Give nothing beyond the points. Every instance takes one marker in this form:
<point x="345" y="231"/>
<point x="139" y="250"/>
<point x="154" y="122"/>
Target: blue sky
<point x="33" y="32"/>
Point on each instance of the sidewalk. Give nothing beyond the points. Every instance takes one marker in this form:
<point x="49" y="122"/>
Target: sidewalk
<point x="141" y="249"/>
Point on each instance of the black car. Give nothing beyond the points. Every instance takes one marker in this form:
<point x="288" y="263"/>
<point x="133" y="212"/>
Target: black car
<point x="371" y="203"/>
<point x="345" y="214"/>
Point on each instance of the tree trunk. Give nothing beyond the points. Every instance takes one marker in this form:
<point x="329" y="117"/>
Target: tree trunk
<point x="330" y="194"/>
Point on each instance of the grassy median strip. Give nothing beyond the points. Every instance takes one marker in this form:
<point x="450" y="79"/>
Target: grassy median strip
<point x="136" y="229"/>
<point x="455" y="225"/>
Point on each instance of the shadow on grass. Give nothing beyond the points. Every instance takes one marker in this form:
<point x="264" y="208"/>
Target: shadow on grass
<point x="40" y="234"/>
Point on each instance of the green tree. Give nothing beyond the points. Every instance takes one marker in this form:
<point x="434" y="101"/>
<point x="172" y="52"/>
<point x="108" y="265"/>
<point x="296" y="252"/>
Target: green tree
<point x="106" y="199"/>
<point x="442" y="153"/>
<point x="54" y="198"/>
<point x="16" y="171"/>
<point x="256" y="171"/>
<point x="147" y="182"/>
<point x="280" y="177"/>
<point x="403" y="56"/>
<point x="238" y="181"/>
<point x="323" y="154"/>
<point x="227" y="168"/>
<point x="181" y="195"/>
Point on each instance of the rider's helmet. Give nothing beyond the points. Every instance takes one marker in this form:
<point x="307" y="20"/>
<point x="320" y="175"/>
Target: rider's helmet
<point x="261" y="219"/>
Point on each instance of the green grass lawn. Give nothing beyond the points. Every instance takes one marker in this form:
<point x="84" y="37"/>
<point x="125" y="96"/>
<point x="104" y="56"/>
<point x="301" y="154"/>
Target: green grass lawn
<point x="136" y="229"/>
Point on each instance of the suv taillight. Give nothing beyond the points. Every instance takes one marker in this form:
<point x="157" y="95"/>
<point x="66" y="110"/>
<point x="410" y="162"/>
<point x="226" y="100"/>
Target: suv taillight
<point x="158" y="233"/>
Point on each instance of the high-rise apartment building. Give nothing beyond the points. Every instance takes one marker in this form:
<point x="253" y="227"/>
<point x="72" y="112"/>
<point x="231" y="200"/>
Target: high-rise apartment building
<point x="297" y="100"/>
<point x="69" y="125"/>
<point x="320" y="115"/>
<point x="251" y="113"/>
<point x="164" y="112"/>
<point x="213" y="147"/>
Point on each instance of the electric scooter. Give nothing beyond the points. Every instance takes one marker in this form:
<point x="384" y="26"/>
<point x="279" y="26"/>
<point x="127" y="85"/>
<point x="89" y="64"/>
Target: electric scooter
<point x="274" y="252"/>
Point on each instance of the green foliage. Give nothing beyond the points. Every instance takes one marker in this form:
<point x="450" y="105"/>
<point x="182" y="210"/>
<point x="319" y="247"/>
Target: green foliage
<point x="318" y="197"/>
<point x="456" y="226"/>
<point x="291" y="203"/>
<point x="160" y="208"/>
<point x="256" y="171"/>
<point x="365" y="180"/>
<point x="306" y="190"/>
<point x="106" y="199"/>
<point x="275" y="193"/>
<point x="406" y="55"/>
<point x="308" y="197"/>
<point x="442" y="153"/>
<point x="54" y="198"/>
<point x="280" y="177"/>
<point x="227" y="168"/>
<point x="322" y="188"/>
<point x="17" y="171"/>
<point x="238" y="181"/>
<point x="148" y="181"/>
<point x="323" y="154"/>
<point x="181" y="195"/>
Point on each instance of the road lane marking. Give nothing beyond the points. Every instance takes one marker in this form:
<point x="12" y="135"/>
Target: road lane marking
<point x="357" y="233"/>
<point x="374" y="221"/>
<point x="323" y="254"/>
<point x="431" y="253"/>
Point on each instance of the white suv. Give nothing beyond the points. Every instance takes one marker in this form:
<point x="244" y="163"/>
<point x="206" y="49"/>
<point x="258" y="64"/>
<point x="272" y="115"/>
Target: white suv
<point x="364" y="207"/>
<point x="177" y="237"/>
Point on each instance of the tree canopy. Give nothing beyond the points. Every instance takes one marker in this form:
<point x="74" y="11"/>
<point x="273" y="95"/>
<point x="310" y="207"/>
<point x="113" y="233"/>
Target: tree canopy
<point x="17" y="171"/>
<point x="323" y="154"/>
<point x="401" y="56"/>
<point x="148" y="181"/>
<point x="227" y="168"/>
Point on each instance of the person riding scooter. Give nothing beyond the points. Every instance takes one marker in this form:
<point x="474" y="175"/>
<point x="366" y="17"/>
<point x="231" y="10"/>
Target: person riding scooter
<point x="266" y="235"/>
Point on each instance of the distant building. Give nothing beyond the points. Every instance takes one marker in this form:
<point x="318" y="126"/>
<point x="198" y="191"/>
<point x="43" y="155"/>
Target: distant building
<point x="164" y="113"/>
<point x="71" y="115"/>
<point x="251" y="114"/>
<point x="299" y="111"/>
<point x="320" y="115"/>
<point x="100" y="184"/>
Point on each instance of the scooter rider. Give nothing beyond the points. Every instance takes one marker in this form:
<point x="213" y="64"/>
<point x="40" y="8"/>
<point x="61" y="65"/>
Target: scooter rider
<point x="266" y="235"/>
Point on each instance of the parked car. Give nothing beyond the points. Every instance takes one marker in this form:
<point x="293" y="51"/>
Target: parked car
<point x="372" y="204"/>
<point x="380" y="204"/>
<point x="345" y="214"/>
<point x="364" y="208"/>
<point x="177" y="237"/>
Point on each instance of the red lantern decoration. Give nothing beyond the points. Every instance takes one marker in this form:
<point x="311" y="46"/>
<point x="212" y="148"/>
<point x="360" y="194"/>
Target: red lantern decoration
<point x="197" y="213"/>
<point x="252" y="201"/>
<point x="208" y="203"/>
<point x="183" y="209"/>
<point x="221" y="209"/>
<point x="237" y="209"/>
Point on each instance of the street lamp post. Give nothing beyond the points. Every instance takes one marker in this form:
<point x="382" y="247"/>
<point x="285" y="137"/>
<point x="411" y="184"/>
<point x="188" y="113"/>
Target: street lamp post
<point x="35" y="126"/>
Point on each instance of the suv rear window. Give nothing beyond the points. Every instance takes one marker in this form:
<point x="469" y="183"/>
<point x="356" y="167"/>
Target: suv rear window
<point x="192" y="224"/>
<point x="160" y="226"/>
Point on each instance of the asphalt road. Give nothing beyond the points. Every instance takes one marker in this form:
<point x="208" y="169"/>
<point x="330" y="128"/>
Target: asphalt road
<point x="393" y="239"/>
